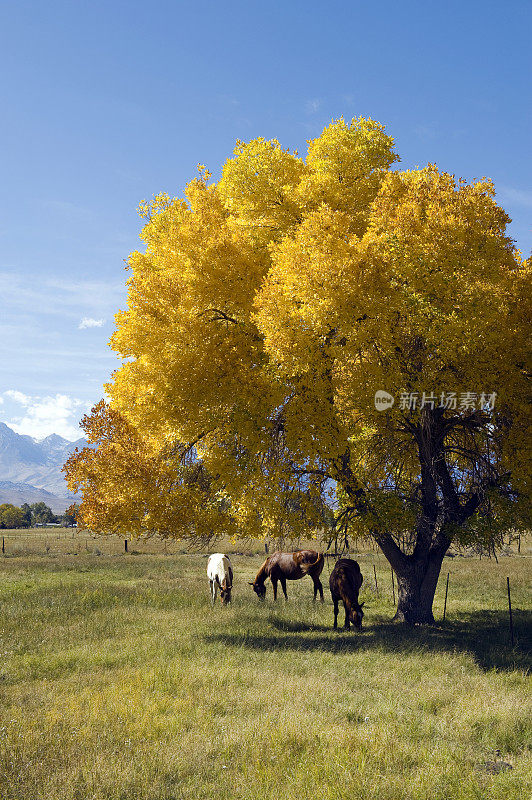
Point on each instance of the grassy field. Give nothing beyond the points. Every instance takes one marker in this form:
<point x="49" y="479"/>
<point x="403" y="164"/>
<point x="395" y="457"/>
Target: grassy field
<point x="117" y="680"/>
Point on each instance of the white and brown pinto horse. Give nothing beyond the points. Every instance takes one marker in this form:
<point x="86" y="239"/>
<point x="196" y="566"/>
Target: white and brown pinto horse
<point x="220" y="575"/>
<point x="284" y="567"/>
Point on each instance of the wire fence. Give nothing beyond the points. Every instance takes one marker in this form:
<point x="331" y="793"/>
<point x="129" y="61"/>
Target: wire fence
<point x="71" y="542"/>
<point x="56" y="542"/>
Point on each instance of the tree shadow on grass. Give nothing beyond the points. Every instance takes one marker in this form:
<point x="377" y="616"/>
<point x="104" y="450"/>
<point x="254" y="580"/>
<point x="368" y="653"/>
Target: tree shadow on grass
<point x="296" y="626"/>
<point x="484" y="635"/>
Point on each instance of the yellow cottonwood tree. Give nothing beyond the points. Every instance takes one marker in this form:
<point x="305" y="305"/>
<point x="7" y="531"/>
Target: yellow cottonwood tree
<point x="269" y="308"/>
<point x="132" y="488"/>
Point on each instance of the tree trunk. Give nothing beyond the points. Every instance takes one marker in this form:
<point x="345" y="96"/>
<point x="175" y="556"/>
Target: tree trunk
<point x="418" y="571"/>
<point x="416" y="588"/>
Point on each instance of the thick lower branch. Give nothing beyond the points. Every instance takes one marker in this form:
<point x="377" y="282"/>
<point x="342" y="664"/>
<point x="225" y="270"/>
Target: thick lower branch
<point x="392" y="551"/>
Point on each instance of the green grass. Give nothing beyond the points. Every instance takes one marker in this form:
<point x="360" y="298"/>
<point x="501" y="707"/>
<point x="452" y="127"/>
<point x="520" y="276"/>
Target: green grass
<point x="117" y="680"/>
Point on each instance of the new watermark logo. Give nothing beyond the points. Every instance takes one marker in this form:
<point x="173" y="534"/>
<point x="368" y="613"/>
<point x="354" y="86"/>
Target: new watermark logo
<point x="383" y="400"/>
<point x="455" y="401"/>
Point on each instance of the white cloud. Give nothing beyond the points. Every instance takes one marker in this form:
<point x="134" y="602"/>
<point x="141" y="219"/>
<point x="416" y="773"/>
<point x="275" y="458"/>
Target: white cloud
<point x="89" y="322"/>
<point x="18" y="397"/>
<point x="312" y="106"/>
<point x="49" y="414"/>
<point x="56" y="296"/>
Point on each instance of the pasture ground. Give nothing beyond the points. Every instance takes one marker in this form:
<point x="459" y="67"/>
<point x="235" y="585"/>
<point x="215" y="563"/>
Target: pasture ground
<point x="118" y="682"/>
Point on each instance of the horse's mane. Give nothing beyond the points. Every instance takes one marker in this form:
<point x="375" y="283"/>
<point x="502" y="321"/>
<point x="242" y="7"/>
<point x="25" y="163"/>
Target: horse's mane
<point x="262" y="574"/>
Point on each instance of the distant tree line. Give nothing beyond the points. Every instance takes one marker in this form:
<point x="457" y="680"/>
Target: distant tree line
<point x="29" y="516"/>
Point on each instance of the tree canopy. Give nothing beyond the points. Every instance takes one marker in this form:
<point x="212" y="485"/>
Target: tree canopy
<point x="267" y="311"/>
<point x="41" y="514"/>
<point x="12" y="516"/>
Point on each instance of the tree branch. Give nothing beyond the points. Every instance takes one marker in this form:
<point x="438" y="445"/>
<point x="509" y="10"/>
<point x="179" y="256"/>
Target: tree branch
<point x="219" y="315"/>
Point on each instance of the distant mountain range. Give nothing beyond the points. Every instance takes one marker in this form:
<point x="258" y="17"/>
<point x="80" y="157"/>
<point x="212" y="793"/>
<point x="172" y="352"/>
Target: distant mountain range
<point x="30" y="471"/>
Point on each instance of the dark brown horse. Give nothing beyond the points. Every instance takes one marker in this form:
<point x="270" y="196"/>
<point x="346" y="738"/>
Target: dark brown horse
<point x="289" y="567"/>
<point x="345" y="582"/>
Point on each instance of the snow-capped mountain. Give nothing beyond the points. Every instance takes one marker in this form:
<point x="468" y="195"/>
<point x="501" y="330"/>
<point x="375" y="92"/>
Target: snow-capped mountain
<point x="29" y="465"/>
<point x="19" y="493"/>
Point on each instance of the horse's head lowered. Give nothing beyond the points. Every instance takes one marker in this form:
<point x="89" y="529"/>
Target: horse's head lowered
<point x="259" y="588"/>
<point x="355" y="615"/>
<point x="225" y="592"/>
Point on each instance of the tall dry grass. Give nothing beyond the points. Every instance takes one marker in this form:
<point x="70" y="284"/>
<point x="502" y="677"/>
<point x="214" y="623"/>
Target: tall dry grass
<point x="118" y="681"/>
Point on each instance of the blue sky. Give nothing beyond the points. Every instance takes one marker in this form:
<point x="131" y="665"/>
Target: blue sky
<point x="107" y="103"/>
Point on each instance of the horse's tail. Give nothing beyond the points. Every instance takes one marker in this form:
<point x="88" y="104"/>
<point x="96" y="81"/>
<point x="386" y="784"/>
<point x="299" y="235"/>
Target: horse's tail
<point x="230" y="576"/>
<point x="319" y="558"/>
<point x="318" y="564"/>
<point x="313" y="564"/>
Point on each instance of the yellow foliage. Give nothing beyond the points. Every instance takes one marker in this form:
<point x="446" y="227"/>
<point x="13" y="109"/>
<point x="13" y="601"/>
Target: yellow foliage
<point x="130" y="487"/>
<point x="267" y="310"/>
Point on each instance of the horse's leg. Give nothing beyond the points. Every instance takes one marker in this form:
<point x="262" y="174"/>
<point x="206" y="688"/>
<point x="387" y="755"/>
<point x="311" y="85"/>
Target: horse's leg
<point x="274" y="584"/>
<point x="335" y="614"/>
<point x="346" y="623"/>
<point x="317" y="587"/>
<point x="211" y="589"/>
<point x="283" y="586"/>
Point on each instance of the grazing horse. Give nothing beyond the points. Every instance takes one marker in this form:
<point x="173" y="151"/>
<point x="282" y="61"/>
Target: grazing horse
<point x="345" y="582"/>
<point x="220" y="574"/>
<point x="289" y="567"/>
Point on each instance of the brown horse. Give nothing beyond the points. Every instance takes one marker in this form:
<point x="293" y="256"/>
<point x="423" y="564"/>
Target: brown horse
<point x="345" y="582"/>
<point x="289" y="567"/>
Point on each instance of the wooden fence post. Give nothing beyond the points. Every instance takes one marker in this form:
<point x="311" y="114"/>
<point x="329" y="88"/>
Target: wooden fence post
<point x="3" y="545"/>
<point x="125" y="545"/>
<point x="510" y="612"/>
<point x="376" y="585"/>
<point x="445" y="603"/>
